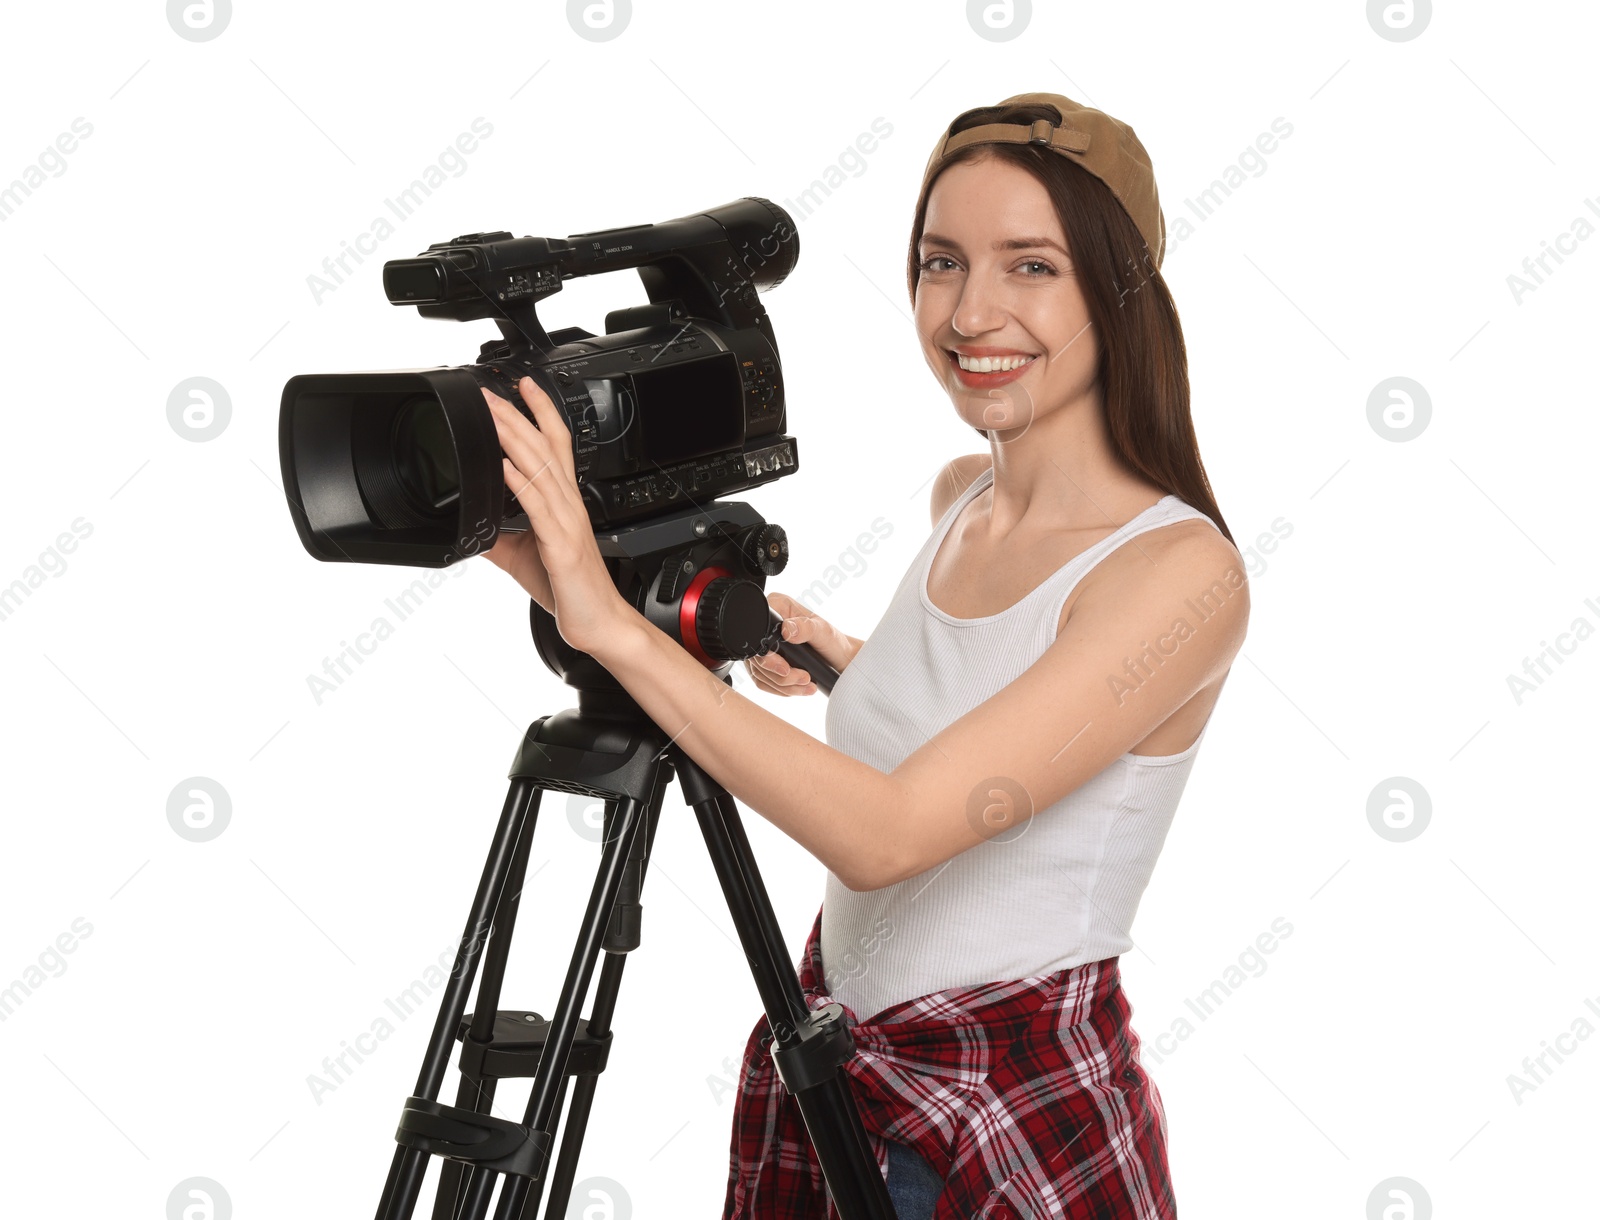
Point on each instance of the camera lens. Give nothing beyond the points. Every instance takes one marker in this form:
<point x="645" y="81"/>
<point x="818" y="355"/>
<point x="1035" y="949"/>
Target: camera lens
<point x="425" y="455"/>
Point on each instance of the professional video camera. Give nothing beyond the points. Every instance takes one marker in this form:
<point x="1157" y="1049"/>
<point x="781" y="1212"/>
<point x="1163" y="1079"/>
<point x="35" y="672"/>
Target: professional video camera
<point x="679" y="402"/>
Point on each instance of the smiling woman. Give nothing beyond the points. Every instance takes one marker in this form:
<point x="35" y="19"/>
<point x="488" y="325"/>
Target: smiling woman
<point x="996" y="785"/>
<point x="1038" y="688"/>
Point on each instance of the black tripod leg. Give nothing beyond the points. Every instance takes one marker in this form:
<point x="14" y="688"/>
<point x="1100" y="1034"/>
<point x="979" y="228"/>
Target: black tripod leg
<point x="846" y="1126"/>
<point x="621" y="938"/>
<point x="547" y="1081"/>
<point x="530" y="1205"/>
<point x="409" y="1164"/>
<point x="478" y="1094"/>
<point x="577" y="1118"/>
<point x="832" y="1121"/>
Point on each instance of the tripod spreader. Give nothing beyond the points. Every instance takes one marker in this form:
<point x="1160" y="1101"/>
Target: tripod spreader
<point x="476" y="1139"/>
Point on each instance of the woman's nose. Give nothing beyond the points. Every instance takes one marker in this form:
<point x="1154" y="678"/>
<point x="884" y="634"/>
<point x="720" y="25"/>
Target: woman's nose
<point x="978" y="311"/>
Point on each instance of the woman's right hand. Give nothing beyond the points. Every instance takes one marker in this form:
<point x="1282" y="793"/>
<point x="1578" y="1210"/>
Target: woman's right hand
<point x="776" y="676"/>
<point x="518" y="555"/>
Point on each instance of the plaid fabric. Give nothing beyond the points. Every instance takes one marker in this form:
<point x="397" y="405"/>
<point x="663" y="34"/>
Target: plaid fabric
<point x="1027" y="1096"/>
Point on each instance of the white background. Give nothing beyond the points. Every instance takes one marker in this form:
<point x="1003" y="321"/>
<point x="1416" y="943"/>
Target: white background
<point x="177" y="1039"/>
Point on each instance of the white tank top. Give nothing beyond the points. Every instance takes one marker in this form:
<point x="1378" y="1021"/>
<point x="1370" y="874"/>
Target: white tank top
<point x="1058" y="891"/>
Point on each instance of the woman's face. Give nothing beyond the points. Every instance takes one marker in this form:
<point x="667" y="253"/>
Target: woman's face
<point x="1021" y="299"/>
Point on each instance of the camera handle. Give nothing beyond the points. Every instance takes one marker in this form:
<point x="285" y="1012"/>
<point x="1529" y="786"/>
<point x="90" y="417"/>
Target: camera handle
<point x="601" y="750"/>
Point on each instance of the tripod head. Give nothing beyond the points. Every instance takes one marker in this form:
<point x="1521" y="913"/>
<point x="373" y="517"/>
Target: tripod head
<point x="699" y="575"/>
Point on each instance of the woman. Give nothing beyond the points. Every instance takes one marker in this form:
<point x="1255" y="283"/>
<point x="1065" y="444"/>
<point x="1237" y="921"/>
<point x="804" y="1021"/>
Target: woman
<point x="1007" y="749"/>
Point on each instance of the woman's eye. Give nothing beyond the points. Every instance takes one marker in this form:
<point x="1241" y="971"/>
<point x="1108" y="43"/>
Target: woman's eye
<point x="927" y="264"/>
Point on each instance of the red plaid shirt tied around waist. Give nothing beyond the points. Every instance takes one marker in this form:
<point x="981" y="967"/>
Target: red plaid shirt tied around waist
<point x="1026" y="1096"/>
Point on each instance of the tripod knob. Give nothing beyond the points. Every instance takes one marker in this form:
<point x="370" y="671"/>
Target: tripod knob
<point x="766" y="549"/>
<point x="732" y="620"/>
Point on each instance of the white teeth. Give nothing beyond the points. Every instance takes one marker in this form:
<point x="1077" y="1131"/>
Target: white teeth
<point x="990" y="364"/>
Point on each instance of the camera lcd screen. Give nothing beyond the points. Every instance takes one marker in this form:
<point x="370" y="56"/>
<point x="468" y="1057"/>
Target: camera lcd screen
<point x="689" y="410"/>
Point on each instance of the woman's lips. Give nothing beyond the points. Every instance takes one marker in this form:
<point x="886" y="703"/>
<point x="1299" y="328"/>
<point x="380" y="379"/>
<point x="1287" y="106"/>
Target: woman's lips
<point x="984" y="381"/>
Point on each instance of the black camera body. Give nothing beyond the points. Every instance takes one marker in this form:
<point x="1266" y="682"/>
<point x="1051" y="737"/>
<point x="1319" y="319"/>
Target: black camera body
<point x="678" y="403"/>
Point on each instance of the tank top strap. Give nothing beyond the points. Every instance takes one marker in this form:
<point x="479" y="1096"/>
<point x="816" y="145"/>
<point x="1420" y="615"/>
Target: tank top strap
<point x="1053" y="590"/>
<point x="930" y="548"/>
<point x="1056" y="588"/>
<point x="1173" y="509"/>
<point x="1165" y="511"/>
<point x="970" y="493"/>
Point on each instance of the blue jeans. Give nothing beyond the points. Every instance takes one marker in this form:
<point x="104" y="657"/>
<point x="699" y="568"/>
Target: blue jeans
<point x="914" y="1185"/>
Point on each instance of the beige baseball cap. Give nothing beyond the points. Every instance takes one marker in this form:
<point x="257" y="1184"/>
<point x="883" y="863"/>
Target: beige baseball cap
<point x="1104" y="146"/>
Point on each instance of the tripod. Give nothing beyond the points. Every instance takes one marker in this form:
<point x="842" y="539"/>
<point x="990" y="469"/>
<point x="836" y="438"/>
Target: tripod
<point x="677" y="570"/>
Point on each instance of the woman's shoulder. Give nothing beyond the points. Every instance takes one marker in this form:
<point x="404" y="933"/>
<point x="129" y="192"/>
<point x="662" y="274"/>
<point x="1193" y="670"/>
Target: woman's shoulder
<point x="957" y="475"/>
<point x="1185" y="562"/>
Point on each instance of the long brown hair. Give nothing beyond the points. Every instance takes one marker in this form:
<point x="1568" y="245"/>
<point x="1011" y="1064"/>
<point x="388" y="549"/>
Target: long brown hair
<point x="1143" y="364"/>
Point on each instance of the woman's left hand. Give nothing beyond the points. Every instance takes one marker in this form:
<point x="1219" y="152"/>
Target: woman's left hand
<point x="539" y="471"/>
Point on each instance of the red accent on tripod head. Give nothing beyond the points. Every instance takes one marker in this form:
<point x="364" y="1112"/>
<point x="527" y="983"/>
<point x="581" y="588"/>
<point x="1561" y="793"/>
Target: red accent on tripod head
<point x="687" y="608"/>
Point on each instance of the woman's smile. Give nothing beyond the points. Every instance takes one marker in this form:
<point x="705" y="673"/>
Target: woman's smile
<point x="985" y="372"/>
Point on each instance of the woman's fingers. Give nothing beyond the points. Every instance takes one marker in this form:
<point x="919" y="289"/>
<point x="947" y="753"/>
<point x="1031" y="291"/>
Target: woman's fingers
<point x="785" y="692"/>
<point x="771" y="672"/>
<point x="530" y="493"/>
<point x="799" y="624"/>
<point x="522" y="442"/>
<point x="552" y="426"/>
<point x="796" y="627"/>
<point x="534" y="474"/>
<point x="773" y="664"/>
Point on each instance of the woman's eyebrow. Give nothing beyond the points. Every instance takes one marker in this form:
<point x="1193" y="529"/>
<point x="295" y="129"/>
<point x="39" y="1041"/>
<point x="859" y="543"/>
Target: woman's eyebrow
<point x="1008" y="243"/>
